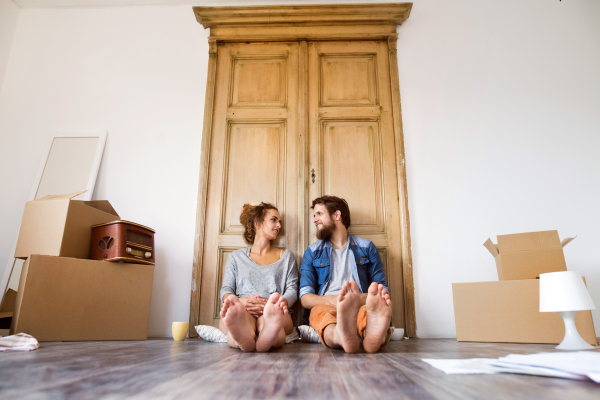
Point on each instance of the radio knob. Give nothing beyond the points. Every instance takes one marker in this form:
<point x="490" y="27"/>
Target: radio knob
<point x="128" y="250"/>
<point x="148" y="254"/>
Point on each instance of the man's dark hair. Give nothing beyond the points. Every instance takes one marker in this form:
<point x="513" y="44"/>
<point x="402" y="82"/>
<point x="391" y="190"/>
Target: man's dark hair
<point x="333" y="204"/>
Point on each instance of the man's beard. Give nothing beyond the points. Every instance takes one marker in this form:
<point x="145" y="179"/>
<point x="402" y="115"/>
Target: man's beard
<point x="326" y="232"/>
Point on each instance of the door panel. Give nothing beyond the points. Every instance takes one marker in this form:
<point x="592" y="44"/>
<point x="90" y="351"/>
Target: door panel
<point x="348" y="79"/>
<point x="253" y="156"/>
<point x="260" y="146"/>
<point x="352" y="146"/>
<point x="259" y="80"/>
<point x="254" y="150"/>
<point x="352" y="170"/>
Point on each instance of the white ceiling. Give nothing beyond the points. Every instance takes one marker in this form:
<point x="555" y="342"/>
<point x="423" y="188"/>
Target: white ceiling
<point x="119" y="3"/>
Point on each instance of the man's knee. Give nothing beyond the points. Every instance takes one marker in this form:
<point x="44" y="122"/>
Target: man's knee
<point x="323" y="308"/>
<point x="320" y="312"/>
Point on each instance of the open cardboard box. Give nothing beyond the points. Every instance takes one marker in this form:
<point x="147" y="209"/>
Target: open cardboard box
<point x="68" y="299"/>
<point x="527" y="255"/>
<point x="508" y="311"/>
<point x="59" y="226"/>
<point x="64" y="296"/>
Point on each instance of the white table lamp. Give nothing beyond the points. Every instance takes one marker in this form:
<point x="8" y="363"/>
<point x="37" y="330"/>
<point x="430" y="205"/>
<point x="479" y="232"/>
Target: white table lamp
<point x="565" y="293"/>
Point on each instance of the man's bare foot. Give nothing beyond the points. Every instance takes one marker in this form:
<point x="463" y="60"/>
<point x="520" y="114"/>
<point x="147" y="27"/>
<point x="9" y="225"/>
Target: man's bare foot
<point x="274" y="315"/>
<point x="348" y="304"/>
<point x="235" y="318"/>
<point x="379" y="313"/>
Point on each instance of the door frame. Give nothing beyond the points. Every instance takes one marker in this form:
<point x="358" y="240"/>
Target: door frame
<point x="303" y="23"/>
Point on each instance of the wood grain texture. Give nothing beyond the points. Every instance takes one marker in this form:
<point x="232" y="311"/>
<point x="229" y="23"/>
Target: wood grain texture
<point x="110" y="243"/>
<point x="253" y="154"/>
<point x="201" y="370"/>
<point x="203" y="188"/>
<point x="410" y="328"/>
<point x="352" y="147"/>
<point x="300" y="33"/>
<point x="303" y="172"/>
<point x="303" y="22"/>
<point x="369" y="93"/>
<point x="347" y="14"/>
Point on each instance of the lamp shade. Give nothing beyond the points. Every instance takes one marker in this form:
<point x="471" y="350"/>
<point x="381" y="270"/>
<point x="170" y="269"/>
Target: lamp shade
<point x="564" y="291"/>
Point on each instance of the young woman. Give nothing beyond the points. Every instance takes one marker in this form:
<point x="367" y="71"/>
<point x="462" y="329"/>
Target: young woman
<point x="259" y="285"/>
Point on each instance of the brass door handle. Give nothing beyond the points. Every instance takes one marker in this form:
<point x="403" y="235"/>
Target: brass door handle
<point x="312" y="175"/>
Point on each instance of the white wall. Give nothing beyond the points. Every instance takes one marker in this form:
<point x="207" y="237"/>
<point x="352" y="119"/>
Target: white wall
<point x="9" y="14"/>
<point x="501" y="109"/>
<point x="140" y="74"/>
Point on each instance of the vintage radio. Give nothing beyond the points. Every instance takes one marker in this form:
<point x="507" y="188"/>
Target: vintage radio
<point x="123" y="241"/>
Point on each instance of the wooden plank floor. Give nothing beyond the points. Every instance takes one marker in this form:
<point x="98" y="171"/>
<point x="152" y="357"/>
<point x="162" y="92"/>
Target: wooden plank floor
<point x="200" y="370"/>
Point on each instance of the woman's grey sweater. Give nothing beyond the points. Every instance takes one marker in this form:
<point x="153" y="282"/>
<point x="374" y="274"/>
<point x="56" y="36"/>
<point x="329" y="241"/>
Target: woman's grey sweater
<point x="244" y="277"/>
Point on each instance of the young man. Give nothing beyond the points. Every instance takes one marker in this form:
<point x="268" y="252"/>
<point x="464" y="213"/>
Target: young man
<point x="342" y="283"/>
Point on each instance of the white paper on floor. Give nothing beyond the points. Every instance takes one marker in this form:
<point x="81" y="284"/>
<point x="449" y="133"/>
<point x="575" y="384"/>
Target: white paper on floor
<point x="581" y="365"/>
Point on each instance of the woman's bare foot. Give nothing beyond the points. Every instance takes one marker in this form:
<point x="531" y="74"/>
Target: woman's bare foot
<point x="379" y="313"/>
<point x="235" y="318"/>
<point x="348" y="304"/>
<point x="274" y="316"/>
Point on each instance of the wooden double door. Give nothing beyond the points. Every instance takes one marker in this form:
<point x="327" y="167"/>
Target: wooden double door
<point x="291" y="122"/>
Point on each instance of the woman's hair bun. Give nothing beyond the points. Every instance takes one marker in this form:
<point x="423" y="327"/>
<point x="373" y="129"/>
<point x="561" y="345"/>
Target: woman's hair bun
<point x="252" y="215"/>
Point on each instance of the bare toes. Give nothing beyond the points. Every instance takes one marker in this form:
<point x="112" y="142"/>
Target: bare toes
<point x="373" y="289"/>
<point x="343" y="292"/>
<point x="274" y="297"/>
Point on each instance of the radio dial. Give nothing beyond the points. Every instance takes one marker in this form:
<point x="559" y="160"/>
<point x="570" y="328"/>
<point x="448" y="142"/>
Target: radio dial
<point x="148" y="254"/>
<point x="128" y="250"/>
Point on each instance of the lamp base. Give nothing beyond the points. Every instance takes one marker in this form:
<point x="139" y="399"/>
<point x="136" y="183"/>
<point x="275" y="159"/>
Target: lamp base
<point x="572" y="340"/>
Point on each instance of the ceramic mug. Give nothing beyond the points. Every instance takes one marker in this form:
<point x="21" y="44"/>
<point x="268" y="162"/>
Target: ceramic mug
<point x="179" y="330"/>
<point x="397" y="333"/>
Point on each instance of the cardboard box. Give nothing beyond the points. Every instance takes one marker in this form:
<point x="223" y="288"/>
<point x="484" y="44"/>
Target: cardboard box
<point x="508" y="311"/>
<point x="67" y="299"/>
<point x="7" y="309"/>
<point x="59" y="226"/>
<point x="527" y="255"/>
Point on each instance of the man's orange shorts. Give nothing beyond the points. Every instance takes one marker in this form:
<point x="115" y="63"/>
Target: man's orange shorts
<point x="324" y="315"/>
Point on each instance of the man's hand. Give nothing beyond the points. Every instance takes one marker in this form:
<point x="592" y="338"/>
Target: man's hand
<point x="312" y="300"/>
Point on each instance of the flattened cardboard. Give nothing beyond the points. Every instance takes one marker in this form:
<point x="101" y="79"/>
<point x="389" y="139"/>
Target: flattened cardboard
<point x="67" y="299"/>
<point x="527" y="255"/>
<point x="508" y="311"/>
<point x="59" y="226"/>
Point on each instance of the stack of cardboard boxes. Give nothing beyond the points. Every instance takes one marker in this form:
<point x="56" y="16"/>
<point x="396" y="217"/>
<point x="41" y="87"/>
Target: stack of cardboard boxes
<point x="508" y="310"/>
<point x="65" y="296"/>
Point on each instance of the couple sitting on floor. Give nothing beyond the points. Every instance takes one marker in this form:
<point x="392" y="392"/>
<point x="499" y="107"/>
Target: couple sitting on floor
<point x="342" y="284"/>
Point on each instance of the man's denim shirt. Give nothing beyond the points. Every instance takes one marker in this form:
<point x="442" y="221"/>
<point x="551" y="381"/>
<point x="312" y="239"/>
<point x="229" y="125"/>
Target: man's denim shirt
<point x="363" y="259"/>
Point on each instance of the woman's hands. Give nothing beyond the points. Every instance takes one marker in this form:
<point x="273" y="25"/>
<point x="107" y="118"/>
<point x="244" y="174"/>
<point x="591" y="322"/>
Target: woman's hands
<point x="254" y="305"/>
